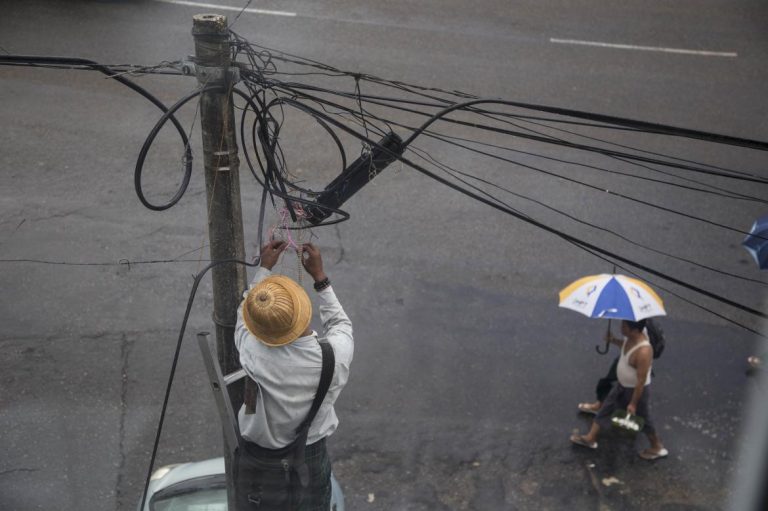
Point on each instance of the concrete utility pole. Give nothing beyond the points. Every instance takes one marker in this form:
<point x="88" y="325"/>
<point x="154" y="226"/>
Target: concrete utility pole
<point x="222" y="183"/>
<point x="222" y="179"/>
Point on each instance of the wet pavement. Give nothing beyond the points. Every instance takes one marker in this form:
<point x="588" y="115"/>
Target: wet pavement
<point x="466" y="376"/>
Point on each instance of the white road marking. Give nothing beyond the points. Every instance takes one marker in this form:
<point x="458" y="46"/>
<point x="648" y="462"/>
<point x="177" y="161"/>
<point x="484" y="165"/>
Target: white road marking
<point x="285" y="13"/>
<point x="228" y="8"/>
<point x="646" y="48"/>
<point x="368" y="22"/>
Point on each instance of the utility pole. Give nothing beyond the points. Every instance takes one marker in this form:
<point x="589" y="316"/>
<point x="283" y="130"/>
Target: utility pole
<point x="222" y="183"/>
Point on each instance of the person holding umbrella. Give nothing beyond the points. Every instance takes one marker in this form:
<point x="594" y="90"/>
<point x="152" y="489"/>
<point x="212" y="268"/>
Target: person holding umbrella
<point x="631" y="300"/>
<point x="604" y="385"/>
<point x="633" y="372"/>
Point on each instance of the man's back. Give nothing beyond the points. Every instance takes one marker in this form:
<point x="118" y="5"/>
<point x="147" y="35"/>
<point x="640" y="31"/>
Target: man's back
<point x="288" y="376"/>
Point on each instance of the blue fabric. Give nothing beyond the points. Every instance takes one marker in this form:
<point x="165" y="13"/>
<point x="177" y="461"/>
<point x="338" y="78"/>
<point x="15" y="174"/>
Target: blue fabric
<point x="757" y="242"/>
<point x="613" y="296"/>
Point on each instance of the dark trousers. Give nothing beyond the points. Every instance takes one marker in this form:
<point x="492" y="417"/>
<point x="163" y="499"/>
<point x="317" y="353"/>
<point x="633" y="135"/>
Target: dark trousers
<point x="317" y="496"/>
<point x="263" y="484"/>
<point x="618" y="398"/>
<point x="605" y="384"/>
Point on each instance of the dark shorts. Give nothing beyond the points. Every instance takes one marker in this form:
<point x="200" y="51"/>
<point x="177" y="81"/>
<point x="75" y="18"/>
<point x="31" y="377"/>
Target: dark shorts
<point x="618" y="398"/>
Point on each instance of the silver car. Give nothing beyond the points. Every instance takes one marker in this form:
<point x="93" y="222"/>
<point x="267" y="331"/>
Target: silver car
<point x="202" y="486"/>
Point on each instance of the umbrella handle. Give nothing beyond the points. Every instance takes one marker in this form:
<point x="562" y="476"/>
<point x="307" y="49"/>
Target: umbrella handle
<point x="607" y="342"/>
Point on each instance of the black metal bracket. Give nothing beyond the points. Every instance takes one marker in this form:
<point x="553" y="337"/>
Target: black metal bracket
<point x="355" y="176"/>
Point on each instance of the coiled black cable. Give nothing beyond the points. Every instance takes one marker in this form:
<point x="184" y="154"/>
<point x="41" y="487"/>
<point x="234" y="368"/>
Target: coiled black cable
<point x="272" y="179"/>
<point x="138" y="171"/>
<point x="167" y="114"/>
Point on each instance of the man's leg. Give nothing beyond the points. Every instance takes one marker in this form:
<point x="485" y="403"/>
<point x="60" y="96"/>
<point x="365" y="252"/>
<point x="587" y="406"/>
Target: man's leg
<point x="656" y="450"/>
<point x="317" y="496"/>
<point x="644" y="411"/>
<point x="593" y="433"/>
<point x="602" y="419"/>
<point x="656" y="445"/>
<point x="602" y="389"/>
<point x="588" y="440"/>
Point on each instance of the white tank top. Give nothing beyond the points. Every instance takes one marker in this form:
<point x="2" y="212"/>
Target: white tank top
<point x="627" y="375"/>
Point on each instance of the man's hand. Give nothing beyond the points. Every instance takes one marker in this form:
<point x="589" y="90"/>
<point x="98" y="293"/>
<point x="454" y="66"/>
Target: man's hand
<point x="312" y="261"/>
<point x="632" y="409"/>
<point x="610" y="339"/>
<point x="270" y="253"/>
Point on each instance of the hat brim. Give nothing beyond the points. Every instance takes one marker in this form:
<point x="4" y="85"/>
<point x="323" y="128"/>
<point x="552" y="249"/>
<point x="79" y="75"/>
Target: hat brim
<point x="302" y="313"/>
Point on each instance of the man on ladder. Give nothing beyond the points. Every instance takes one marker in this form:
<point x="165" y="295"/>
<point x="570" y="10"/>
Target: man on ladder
<point x="284" y="464"/>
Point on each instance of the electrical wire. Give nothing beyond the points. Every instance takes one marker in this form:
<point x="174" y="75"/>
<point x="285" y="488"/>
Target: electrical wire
<point x="260" y="79"/>
<point x="679" y="296"/>
<point x="647" y="127"/>
<point x="427" y="157"/>
<point x="608" y="259"/>
<point x="292" y="88"/>
<point x="274" y="176"/>
<point x="175" y="362"/>
<point x="138" y="171"/>
<point x="121" y="262"/>
<point x="429" y="133"/>
<point x="167" y="115"/>
<point x="365" y="140"/>
<point x="536" y="223"/>
<point x="274" y="184"/>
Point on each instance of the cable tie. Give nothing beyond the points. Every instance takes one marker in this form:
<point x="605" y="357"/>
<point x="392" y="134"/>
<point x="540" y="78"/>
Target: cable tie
<point x="221" y="323"/>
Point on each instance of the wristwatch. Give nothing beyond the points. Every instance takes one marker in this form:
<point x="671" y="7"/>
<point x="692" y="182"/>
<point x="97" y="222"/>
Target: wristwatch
<point x="322" y="284"/>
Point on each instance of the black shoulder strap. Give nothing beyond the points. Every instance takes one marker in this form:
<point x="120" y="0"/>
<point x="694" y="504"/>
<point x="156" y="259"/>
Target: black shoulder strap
<point x="326" y="375"/>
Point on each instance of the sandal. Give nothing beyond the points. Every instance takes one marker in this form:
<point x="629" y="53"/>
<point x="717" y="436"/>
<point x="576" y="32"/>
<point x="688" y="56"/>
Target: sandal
<point x="654" y="455"/>
<point x="587" y="408"/>
<point x="579" y="440"/>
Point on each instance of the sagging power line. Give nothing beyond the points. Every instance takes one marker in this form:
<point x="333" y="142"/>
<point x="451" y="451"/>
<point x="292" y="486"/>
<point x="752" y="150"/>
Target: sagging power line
<point x="267" y="94"/>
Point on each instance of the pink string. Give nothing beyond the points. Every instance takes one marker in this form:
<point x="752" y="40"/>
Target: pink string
<point x="281" y="228"/>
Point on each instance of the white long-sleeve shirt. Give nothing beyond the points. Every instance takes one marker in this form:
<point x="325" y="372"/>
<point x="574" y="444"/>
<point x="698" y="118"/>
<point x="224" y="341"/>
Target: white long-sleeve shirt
<point x="288" y="376"/>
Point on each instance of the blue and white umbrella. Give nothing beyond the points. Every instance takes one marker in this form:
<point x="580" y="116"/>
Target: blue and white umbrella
<point x="756" y="242"/>
<point x="612" y="296"/>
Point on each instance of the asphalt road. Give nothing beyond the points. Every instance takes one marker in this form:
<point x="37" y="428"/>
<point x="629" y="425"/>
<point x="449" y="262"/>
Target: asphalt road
<point x="466" y="374"/>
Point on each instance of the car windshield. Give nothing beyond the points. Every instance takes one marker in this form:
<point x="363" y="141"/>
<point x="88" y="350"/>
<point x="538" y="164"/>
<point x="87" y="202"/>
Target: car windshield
<point x="194" y="500"/>
<point x="207" y="493"/>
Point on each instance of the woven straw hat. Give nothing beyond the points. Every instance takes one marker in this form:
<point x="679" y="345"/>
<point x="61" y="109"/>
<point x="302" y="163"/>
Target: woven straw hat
<point x="277" y="310"/>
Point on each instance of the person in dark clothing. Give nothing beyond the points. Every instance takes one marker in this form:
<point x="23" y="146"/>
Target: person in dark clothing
<point x="631" y="391"/>
<point x="604" y="385"/>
